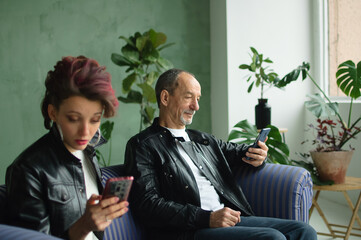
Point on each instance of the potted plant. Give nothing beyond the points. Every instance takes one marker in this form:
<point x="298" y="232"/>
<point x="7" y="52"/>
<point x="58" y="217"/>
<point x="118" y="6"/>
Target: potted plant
<point x="332" y="132"/>
<point x="144" y="64"/>
<point x="262" y="76"/>
<point x="141" y="56"/>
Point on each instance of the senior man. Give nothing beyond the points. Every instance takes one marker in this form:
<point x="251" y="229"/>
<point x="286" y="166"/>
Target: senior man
<point x="184" y="186"/>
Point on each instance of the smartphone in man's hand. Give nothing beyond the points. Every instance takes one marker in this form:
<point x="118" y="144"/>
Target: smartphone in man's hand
<point x="261" y="137"/>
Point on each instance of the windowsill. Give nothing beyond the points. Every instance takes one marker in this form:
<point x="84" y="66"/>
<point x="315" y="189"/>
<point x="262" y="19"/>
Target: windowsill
<point x="343" y="100"/>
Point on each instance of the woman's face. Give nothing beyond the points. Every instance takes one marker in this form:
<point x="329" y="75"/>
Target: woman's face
<point x="79" y="118"/>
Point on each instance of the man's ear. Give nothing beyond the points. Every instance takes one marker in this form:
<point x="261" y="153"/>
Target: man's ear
<point x="164" y="97"/>
<point x="52" y="112"/>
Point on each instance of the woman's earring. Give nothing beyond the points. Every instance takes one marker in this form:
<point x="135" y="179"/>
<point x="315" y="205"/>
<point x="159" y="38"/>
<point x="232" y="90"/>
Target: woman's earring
<point x="98" y="136"/>
<point x="60" y="132"/>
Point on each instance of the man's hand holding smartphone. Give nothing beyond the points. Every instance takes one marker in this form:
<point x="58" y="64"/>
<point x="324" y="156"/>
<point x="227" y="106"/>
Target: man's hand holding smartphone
<point x="258" y="149"/>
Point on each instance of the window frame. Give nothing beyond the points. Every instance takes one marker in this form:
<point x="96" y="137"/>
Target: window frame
<point x="322" y="45"/>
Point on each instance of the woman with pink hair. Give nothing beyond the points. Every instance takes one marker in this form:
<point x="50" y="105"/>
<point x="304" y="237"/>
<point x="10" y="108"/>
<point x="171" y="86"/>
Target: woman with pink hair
<point x="54" y="185"/>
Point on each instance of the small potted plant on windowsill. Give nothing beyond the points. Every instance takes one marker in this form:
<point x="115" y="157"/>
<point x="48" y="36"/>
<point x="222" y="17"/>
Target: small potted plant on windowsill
<point x="260" y="75"/>
<point x="332" y="131"/>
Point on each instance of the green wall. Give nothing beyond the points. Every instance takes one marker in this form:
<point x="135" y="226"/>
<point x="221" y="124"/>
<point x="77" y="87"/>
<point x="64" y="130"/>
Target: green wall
<point x="35" y="34"/>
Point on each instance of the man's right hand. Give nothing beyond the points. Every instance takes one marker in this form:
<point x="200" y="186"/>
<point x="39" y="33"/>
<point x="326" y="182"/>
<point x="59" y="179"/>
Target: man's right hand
<point x="224" y="217"/>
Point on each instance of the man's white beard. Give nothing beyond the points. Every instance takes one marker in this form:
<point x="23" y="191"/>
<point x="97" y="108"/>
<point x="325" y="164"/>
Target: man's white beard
<point x="187" y="122"/>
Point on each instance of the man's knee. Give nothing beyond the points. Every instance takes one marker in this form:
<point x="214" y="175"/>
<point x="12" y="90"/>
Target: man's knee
<point x="273" y="234"/>
<point x="309" y="232"/>
<point x="305" y="232"/>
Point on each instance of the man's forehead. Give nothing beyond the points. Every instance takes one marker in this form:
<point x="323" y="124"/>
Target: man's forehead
<point x="186" y="80"/>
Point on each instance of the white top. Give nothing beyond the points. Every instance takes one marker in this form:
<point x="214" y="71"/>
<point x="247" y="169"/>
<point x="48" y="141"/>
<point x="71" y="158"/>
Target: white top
<point x="208" y="195"/>
<point x="90" y="179"/>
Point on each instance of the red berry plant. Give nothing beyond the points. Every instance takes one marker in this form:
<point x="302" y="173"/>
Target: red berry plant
<point x="331" y="135"/>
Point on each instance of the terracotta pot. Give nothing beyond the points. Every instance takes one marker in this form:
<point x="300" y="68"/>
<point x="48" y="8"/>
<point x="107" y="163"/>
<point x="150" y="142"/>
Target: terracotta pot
<point x="332" y="165"/>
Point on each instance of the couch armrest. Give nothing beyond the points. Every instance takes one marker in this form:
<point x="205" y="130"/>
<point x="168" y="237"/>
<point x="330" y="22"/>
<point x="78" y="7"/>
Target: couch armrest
<point x="10" y="233"/>
<point x="280" y="191"/>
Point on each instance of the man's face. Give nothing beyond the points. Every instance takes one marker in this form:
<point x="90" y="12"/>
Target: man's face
<point x="183" y="104"/>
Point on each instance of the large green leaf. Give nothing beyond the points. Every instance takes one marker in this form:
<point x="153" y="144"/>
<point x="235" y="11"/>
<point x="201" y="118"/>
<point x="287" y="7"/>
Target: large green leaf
<point x="318" y="107"/>
<point x="235" y="134"/>
<point x="349" y="78"/>
<point x="151" y="77"/>
<point x="148" y="92"/>
<point x="246" y="126"/>
<point x="164" y="63"/>
<point x="131" y="54"/>
<point x="120" y="60"/>
<point x="152" y="55"/>
<point x="106" y="129"/>
<point x="128" y="41"/>
<point x="165" y="46"/>
<point x="149" y="113"/>
<point x="293" y="75"/>
<point x="128" y="82"/>
<point x="277" y="157"/>
<point x="157" y="38"/>
<point x="141" y="42"/>
<point x="132" y="97"/>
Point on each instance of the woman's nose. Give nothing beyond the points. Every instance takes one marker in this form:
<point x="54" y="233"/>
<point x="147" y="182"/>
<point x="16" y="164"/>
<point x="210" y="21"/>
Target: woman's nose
<point x="84" y="129"/>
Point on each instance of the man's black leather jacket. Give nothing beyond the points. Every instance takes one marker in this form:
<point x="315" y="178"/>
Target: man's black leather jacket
<point x="165" y="196"/>
<point x="45" y="186"/>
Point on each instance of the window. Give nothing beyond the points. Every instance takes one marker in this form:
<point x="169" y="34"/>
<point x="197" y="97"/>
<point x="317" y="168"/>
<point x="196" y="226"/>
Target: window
<point x="343" y="36"/>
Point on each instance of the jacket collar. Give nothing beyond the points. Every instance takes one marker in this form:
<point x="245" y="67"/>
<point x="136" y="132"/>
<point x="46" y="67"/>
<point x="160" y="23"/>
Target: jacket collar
<point x="194" y="135"/>
<point x="89" y="149"/>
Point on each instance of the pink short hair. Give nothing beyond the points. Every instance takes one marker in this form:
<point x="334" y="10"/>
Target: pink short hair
<point x="78" y="76"/>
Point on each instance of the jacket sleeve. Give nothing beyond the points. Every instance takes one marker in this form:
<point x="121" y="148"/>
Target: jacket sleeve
<point x="153" y="209"/>
<point x="234" y="153"/>
<point x="26" y="207"/>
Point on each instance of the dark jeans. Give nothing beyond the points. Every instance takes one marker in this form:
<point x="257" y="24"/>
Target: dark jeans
<point x="257" y="228"/>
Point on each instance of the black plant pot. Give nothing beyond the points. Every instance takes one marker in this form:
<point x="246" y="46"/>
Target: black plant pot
<point x="263" y="113"/>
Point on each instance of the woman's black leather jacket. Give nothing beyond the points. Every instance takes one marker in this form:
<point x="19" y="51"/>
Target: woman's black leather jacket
<point x="165" y="196"/>
<point x="46" y="188"/>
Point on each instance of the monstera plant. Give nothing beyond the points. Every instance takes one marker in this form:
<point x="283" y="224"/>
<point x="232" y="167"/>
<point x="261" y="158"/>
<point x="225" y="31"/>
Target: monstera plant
<point x="141" y="57"/>
<point x="348" y="78"/>
<point x="332" y="131"/>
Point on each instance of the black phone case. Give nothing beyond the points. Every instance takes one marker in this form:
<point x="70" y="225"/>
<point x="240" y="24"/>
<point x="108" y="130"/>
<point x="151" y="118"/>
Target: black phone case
<point x="261" y="137"/>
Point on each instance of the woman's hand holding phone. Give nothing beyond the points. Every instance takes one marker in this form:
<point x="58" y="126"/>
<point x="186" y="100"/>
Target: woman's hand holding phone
<point x="99" y="213"/>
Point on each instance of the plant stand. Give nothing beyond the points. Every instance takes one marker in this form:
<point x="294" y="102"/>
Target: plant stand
<point x="351" y="183"/>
